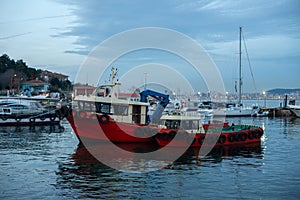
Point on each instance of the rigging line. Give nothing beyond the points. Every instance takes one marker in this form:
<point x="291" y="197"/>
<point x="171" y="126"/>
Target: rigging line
<point x="251" y="71"/>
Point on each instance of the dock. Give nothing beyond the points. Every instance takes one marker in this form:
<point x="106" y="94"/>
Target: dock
<point x="278" y="112"/>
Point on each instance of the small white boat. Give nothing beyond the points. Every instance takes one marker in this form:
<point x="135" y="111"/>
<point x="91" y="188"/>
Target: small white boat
<point x="261" y="113"/>
<point x="238" y="110"/>
<point x="205" y="108"/>
<point x="228" y="109"/>
<point x="295" y="109"/>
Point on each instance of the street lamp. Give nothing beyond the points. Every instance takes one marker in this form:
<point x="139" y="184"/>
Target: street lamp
<point x="199" y="94"/>
<point x="12" y="82"/>
<point x="265" y="98"/>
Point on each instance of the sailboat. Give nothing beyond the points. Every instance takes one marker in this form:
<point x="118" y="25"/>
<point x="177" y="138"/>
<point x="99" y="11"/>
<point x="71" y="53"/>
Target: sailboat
<point x="233" y="109"/>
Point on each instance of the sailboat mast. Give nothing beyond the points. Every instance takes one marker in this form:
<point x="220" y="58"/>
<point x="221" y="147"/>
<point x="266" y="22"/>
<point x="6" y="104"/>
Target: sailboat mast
<point x="240" y="67"/>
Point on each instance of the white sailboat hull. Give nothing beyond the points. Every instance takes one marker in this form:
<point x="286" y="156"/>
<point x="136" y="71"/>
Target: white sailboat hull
<point x="236" y="112"/>
<point x="239" y="112"/>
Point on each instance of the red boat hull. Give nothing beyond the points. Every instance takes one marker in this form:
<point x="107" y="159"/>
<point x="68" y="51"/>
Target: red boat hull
<point x="240" y="137"/>
<point x="97" y="127"/>
<point x="90" y="127"/>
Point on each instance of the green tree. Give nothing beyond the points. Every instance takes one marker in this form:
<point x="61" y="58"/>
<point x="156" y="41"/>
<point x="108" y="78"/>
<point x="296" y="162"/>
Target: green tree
<point x="54" y="84"/>
<point x="66" y="85"/>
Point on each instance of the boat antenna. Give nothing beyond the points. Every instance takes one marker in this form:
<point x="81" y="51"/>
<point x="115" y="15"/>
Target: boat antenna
<point x="113" y="75"/>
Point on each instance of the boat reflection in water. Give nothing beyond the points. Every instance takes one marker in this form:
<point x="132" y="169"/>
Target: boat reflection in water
<point x="190" y="156"/>
<point x="84" y="176"/>
<point x="218" y="154"/>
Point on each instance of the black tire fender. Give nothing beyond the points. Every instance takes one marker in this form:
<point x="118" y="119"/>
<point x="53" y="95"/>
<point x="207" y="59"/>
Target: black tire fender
<point x="231" y="137"/>
<point x="222" y="139"/>
<point x="104" y="119"/>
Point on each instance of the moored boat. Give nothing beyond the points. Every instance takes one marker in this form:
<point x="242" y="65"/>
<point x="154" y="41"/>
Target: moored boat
<point x="190" y="131"/>
<point x="238" y="109"/>
<point x="22" y="111"/>
<point x="261" y="113"/>
<point x="103" y="116"/>
<point x="228" y="109"/>
<point x="295" y="109"/>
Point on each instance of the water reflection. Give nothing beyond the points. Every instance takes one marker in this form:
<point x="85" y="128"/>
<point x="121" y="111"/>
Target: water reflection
<point x="54" y="128"/>
<point x="254" y="150"/>
<point x="295" y="121"/>
<point x="219" y="154"/>
<point x="289" y="125"/>
<point x="26" y="138"/>
<point x="82" y="175"/>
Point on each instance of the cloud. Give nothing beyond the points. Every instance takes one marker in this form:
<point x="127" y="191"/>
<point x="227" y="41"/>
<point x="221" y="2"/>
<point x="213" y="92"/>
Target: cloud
<point x="13" y="36"/>
<point x="67" y="30"/>
<point x="77" y="51"/>
<point x="271" y="28"/>
<point x="98" y="20"/>
<point x="262" y="47"/>
<point x="35" y="19"/>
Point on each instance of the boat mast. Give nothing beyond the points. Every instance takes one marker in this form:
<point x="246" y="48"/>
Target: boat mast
<point x="240" y="68"/>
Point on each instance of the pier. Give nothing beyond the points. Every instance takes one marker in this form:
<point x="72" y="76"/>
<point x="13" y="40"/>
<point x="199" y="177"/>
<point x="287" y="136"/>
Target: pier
<point x="283" y="110"/>
<point x="278" y="112"/>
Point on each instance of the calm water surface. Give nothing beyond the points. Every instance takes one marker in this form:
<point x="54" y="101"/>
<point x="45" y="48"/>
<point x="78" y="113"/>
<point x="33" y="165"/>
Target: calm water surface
<point x="46" y="163"/>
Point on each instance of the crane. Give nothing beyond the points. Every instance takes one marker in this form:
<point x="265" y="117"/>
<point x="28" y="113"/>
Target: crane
<point x="163" y="101"/>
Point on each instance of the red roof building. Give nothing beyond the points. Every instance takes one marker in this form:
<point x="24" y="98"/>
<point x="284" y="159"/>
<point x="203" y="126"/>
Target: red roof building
<point x="129" y="96"/>
<point x="83" y="90"/>
<point x="47" y="75"/>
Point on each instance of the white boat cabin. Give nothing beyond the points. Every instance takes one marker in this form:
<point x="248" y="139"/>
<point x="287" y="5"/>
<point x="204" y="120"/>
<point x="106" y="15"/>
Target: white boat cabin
<point x="105" y="101"/>
<point x="188" y="123"/>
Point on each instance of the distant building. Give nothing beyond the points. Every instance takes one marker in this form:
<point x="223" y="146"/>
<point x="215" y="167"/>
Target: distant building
<point x="47" y="76"/>
<point x="34" y="87"/>
<point x="129" y="97"/>
<point x="87" y="90"/>
<point x="83" y="90"/>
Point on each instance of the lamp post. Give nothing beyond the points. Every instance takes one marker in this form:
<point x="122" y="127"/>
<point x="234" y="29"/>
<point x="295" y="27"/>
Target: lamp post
<point x="265" y="98"/>
<point x="227" y="96"/>
<point x="199" y="94"/>
<point x="145" y="74"/>
<point x="12" y="82"/>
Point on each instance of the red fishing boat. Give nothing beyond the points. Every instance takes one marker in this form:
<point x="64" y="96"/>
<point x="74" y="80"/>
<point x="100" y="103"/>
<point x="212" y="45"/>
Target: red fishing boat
<point x="183" y="131"/>
<point x="104" y="116"/>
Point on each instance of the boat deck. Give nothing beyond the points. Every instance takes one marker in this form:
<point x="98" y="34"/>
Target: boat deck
<point x="232" y="128"/>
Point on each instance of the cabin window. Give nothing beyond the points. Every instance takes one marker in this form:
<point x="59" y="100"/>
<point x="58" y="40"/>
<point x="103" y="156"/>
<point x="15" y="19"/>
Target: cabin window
<point x="105" y="108"/>
<point x="136" y="114"/>
<point x="190" y="124"/>
<point x="81" y="105"/>
<point x="120" y="110"/>
<point x="86" y="106"/>
<point x="92" y="107"/>
<point x="6" y="110"/>
<point x="102" y="107"/>
<point x="98" y="107"/>
<point x="172" y="124"/>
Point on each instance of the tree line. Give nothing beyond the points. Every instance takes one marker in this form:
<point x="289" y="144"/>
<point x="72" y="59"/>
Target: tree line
<point x="11" y="70"/>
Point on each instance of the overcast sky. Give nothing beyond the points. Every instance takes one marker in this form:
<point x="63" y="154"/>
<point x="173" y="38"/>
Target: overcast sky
<point x="58" y="35"/>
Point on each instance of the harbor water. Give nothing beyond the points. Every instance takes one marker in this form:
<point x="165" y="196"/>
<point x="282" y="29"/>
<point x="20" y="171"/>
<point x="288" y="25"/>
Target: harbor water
<point x="47" y="163"/>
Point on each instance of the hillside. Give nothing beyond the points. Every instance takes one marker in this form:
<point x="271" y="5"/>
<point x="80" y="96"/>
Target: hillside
<point x="14" y="73"/>
<point x="283" y="91"/>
